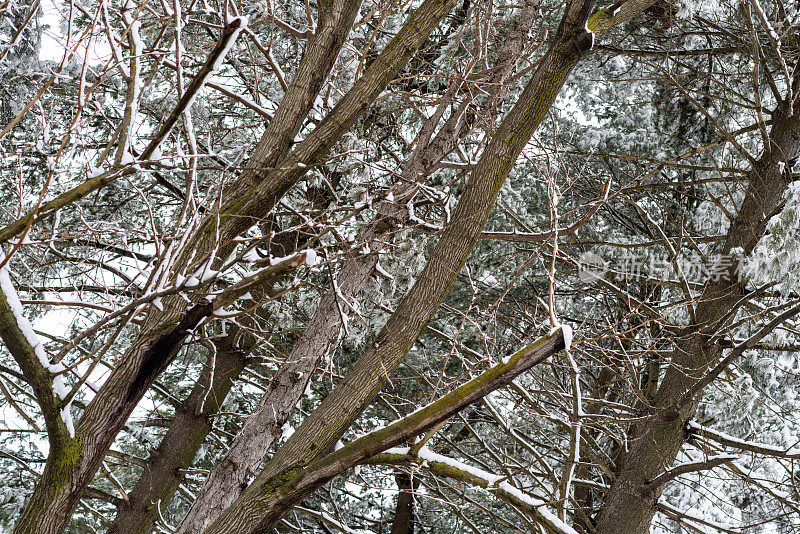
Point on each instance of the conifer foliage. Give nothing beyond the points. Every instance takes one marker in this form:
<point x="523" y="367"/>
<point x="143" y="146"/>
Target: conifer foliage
<point x="376" y="266"/>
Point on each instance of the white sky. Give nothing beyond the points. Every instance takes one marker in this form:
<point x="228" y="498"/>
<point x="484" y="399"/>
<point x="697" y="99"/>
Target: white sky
<point x="52" y="47"/>
<point x="55" y="14"/>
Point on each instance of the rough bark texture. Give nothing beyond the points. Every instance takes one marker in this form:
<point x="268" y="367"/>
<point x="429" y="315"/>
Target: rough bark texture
<point x="63" y="453"/>
<point x="262" y="505"/>
<point x="249" y="206"/>
<point x="66" y="477"/>
<point x="403" y="522"/>
<point x="654" y="443"/>
<point x="335" y="19"/>
<point x="263" y="428"/>
<point x="268" y="497"/>
<point x="249" y="449"/>
<point x="49" y="508"/>
<point x="187" y="432"/>
<point x="160" y="481"/>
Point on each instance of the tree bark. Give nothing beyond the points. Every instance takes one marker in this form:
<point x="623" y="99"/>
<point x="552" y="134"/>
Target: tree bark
<point x="250" y="447"/>
<point x="250" y="205"/>
<point x="160" y="479"/>
<point x="187" y="432"/>
<point x="49" y="508"/>
<point x="269" y="497"/>
<point x="335" y="20"/>
<point x="403" y="522"/>
<point x="230" y="477"/>
<point x="261" y="506"/>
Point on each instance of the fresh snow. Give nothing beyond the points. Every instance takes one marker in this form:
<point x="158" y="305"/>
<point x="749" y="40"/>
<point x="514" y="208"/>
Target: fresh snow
<point x="274" y="261"/>
<point x="221" y="58"/>
<point x="741" y="442"/>
<point x="566" y="331"/>
<point x="93" y="172"/>
<point x="66" y="416"/>
<point x="59" y="387"/>
<point x="398" y="450"/>
<point x="492" y="480"/>
<point x="312" y="258"/>
<point x="382" y="271"/>
<point x="286" y="431"/>
<point x="24" y="325"/>
<point x="251" y="256"/>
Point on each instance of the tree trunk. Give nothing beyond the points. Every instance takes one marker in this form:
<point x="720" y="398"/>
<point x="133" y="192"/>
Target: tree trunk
<point x="268" y="497"/>
<point x="187" y="432"/>
<point x="230" y="477"/>
<point x="160" y="480"/>
<point x="250" y="447"/>
<point x="261" y="507"/>
<point x="49" y="508"/>
<point x="654" y="444"/>
<point x="403" y="522"/>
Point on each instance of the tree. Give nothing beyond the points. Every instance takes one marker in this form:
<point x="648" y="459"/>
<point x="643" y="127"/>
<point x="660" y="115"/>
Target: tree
<point x="381" y="224"/>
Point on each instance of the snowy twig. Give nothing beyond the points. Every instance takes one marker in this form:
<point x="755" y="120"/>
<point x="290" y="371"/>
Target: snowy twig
<point x="526" y="237"/>
<point x="213" y="63"/>
<point x="259" y="278"/>
<point x="27" y="350"/>
<point x="231" y="94"/>
<point x="749" y="446"/>
<point x="565" y="483"/>
<point x="737" y="351"/>
<point x="327" y="519"/>
<point x="440" y="465"/>
<point x="426" y="417"/>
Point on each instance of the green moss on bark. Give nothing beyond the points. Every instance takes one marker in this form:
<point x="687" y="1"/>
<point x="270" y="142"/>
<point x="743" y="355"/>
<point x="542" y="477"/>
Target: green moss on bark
<point x="285" y="477"/>
<point x="65" y="459"/>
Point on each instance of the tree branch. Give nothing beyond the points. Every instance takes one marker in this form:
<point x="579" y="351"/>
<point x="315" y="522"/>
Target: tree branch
<point x="689" y="467"/>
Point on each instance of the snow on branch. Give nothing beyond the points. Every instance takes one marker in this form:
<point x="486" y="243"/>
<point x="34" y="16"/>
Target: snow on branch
<point x="97" y="178"/>
<point x="28" y="351"/>
<point x="422" y="420"/>
<point x="328" y="520"/>
<point x="440" y="465"/>
<point x="750" y="446"/>
<point x="212" y="64"/>
<point x="277" y="267"/>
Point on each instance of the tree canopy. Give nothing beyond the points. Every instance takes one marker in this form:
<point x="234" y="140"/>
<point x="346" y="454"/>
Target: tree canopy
<point x="378" y="266"/>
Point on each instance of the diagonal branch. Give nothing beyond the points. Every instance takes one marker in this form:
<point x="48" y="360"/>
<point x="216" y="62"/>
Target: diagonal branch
<point x="444" y="466"/>
<point x="749" y="446"/>
<point x="296" y="482"/>
<point x="27" y="351"/>
<point x="689" y="467"/>
<point x="94" y="183"/>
